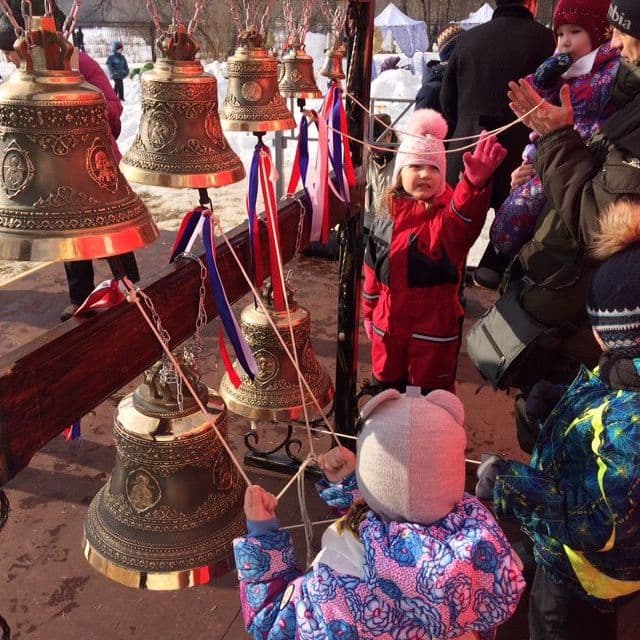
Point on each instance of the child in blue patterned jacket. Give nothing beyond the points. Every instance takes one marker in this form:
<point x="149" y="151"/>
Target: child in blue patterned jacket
<point x="579" y="498"/>
<point x="418" y="559"/>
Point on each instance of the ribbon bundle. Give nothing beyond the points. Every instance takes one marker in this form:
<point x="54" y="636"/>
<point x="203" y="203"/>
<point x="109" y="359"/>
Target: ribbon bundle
<point x="199" y="221"/>
<point x="332" y="149"/>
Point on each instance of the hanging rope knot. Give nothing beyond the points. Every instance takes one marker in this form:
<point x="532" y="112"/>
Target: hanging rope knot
<point x="214" y="217"/>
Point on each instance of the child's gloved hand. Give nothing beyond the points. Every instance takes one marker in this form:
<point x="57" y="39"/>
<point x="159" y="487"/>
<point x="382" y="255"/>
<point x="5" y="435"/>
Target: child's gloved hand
<point x="551" y="69"/>
<point x="337" y="464"/>
<point x="480" y="165"/>
<point x="488" y="471"/>
<point x="368" y="328"/>
<point x="259" y="505"/>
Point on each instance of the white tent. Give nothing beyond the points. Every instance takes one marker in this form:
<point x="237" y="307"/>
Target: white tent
<point x="482" y="15"/>
<point x="409" y="34"/>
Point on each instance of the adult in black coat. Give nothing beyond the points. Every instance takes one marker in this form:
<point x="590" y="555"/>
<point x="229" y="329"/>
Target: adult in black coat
<point x="474" y="90"/>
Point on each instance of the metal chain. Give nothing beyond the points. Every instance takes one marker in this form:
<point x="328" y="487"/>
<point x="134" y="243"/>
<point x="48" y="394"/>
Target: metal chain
<point x="177" y="8"/>
<point x="6" y="9"/>
<point x="70" y="22"/>
<point x="202" y="318"/>
<point x="194" y="22"/>
<point x="152" y="8"/>
<point x="27" y="14"/>
<point x="298" y="247"/>
<point x="168" y="370"/>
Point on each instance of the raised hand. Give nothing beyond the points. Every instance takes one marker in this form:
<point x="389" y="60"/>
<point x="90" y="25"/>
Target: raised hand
<point x="547" y="117"/>
<point x="480" y="165"/>
<point x="337" y="464"/>
<point x="259" y="505"/>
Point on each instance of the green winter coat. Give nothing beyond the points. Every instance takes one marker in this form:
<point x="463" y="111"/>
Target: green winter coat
<point x="580" y="181"/>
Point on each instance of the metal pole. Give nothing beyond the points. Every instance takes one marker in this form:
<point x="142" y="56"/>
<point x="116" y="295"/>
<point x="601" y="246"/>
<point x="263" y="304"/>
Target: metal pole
<point x="279" y="144"/>
<point x="360" y="30"/>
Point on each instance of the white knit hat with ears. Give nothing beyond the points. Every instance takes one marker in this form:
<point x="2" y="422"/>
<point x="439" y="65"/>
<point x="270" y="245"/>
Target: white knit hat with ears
<point x="424" y="145"/>
<point x="410" y="463"/>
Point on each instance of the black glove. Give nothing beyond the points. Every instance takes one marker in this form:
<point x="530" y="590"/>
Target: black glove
<point x="551" y="69"/>
<point x="487" y="472"/>
<point x="542" y="398"/>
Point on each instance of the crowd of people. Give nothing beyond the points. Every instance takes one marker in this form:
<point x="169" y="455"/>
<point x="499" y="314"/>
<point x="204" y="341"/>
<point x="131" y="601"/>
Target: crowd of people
<point x="413" y="556"/>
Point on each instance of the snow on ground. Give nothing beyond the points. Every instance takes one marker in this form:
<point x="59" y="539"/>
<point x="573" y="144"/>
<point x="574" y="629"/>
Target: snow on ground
<point x="168" y="206"/>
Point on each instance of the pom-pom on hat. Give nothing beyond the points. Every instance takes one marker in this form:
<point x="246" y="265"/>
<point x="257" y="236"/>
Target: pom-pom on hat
<point x="591" y="15"/>
<point x="410" y="464"/>
<point x="614" y="296"/>
<point x="424" y="145"/>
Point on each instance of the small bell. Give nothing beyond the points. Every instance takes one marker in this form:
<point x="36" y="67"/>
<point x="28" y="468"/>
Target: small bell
<point x="274" y="394"/>
<point x="298" y="80"/>
<point x="253" y="101"/>
<point x="62" y="196"/>
<point x="332" y="65"/>
<point x="167" y="516"/>
<point x="180" y="142"/>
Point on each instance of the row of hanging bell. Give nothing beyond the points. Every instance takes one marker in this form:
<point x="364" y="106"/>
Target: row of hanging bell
<point x="274" y="394"/>
<point x="62" y="196"/>
<point x="167" y="517"/>
<point x="297" y="79"/>
<point x="180" y="142"/>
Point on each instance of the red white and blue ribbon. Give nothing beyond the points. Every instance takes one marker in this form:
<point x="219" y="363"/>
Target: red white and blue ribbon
<point x="253" y="220"/>
<point x="108" y="294"/>
<point x="73" y="432"/>
<point x="263" y="175"/>
<point x="199" y="221"/>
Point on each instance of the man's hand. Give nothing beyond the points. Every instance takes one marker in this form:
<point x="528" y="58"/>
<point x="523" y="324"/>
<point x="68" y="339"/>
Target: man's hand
<point x="522" y="174"/>
<point x="259" y="505"/>
<point x="337" y="464"/>
<point x="547" y="117"/>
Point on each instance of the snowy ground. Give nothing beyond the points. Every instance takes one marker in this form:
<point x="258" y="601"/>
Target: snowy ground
<point x="169" y="205"/>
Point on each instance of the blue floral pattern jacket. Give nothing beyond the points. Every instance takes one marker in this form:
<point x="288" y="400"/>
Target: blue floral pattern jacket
<point x="579" y="500"/>
<point x="455" y="577"/>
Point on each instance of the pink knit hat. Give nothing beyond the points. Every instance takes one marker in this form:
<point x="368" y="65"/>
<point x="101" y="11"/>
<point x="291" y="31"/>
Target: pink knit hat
<point x="428" y="149"/>
<point x="410" y="463"/>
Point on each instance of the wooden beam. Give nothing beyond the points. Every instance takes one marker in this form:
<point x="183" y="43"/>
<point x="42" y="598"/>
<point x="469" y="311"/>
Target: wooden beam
<point x="54" y="380"/>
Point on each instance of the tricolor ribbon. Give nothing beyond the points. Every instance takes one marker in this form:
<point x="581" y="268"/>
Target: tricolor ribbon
<point x="199" y="221"/>
<point x="108" y="294"/>
<point x="73" y="432"/>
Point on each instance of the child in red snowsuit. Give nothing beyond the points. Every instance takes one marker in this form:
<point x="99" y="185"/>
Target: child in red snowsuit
<point x="415" y="256"/>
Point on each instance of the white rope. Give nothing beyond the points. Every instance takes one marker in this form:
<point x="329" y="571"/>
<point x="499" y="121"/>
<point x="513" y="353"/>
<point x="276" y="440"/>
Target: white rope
<point x="304" y="514"/>
<point x="314" y="523"/>
<point x="133" y="297"/>
<point x="477" y="136"/>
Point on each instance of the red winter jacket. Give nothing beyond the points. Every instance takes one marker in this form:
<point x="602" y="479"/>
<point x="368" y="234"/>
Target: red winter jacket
<point x="413" y="269"/>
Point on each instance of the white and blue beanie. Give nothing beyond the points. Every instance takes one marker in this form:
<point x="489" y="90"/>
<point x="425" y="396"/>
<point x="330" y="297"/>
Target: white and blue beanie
<point x="614" y="300"/>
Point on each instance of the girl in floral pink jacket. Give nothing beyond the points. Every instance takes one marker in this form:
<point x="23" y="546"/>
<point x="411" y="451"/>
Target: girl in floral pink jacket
<point x="418" y="559"/>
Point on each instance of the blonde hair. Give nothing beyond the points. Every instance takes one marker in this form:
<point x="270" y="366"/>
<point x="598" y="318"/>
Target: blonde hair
<point x="353" y="518"/>
<point x="619" y="229"/>
<point x="385" y="201"/>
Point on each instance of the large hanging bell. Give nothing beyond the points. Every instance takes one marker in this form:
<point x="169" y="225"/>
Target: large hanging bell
<point x="62" y="196"/>
<point x="253" y="101"/>
<point x="298" y="80"/>
<point x="173" y="504"/>
<point x="180" y="142"/>
<point x="332" y="65"/>
<point x="274" y="394"/>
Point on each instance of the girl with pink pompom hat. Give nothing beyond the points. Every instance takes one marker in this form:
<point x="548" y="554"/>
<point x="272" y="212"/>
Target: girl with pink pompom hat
<point x="415" y="256"/>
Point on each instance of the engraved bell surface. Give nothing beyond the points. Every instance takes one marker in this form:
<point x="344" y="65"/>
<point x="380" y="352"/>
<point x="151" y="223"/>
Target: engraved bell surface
<point x="173" y="504"/>
<point x="298" y="80"/>
<point x="62" y="196"/>
<point x="274" y="394"/>
<point x="253" y="101"/>
<point x="180" y="142"/>
<point x="332" y="65"/>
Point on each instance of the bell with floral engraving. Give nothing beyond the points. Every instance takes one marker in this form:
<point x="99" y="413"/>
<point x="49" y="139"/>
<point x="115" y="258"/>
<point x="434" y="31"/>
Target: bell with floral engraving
<point x="167" y="516"/>
<point x="332" y="65"/>
<point x="62" y="196"/>
<point x="180" y="142"/>
<point x="298" y="80"/>
<point x="253" y="101"/>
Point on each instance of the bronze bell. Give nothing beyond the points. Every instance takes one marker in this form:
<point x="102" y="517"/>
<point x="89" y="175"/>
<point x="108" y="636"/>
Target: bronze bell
<point x="62" y="195"/>
<point x="180" y="142"/>
<point x="332" y="65"/>
<point x="167" y="516"/>
<point x="274" y="394"/>
<point x="298" y="80"/>
<point x="253" y="101"/>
